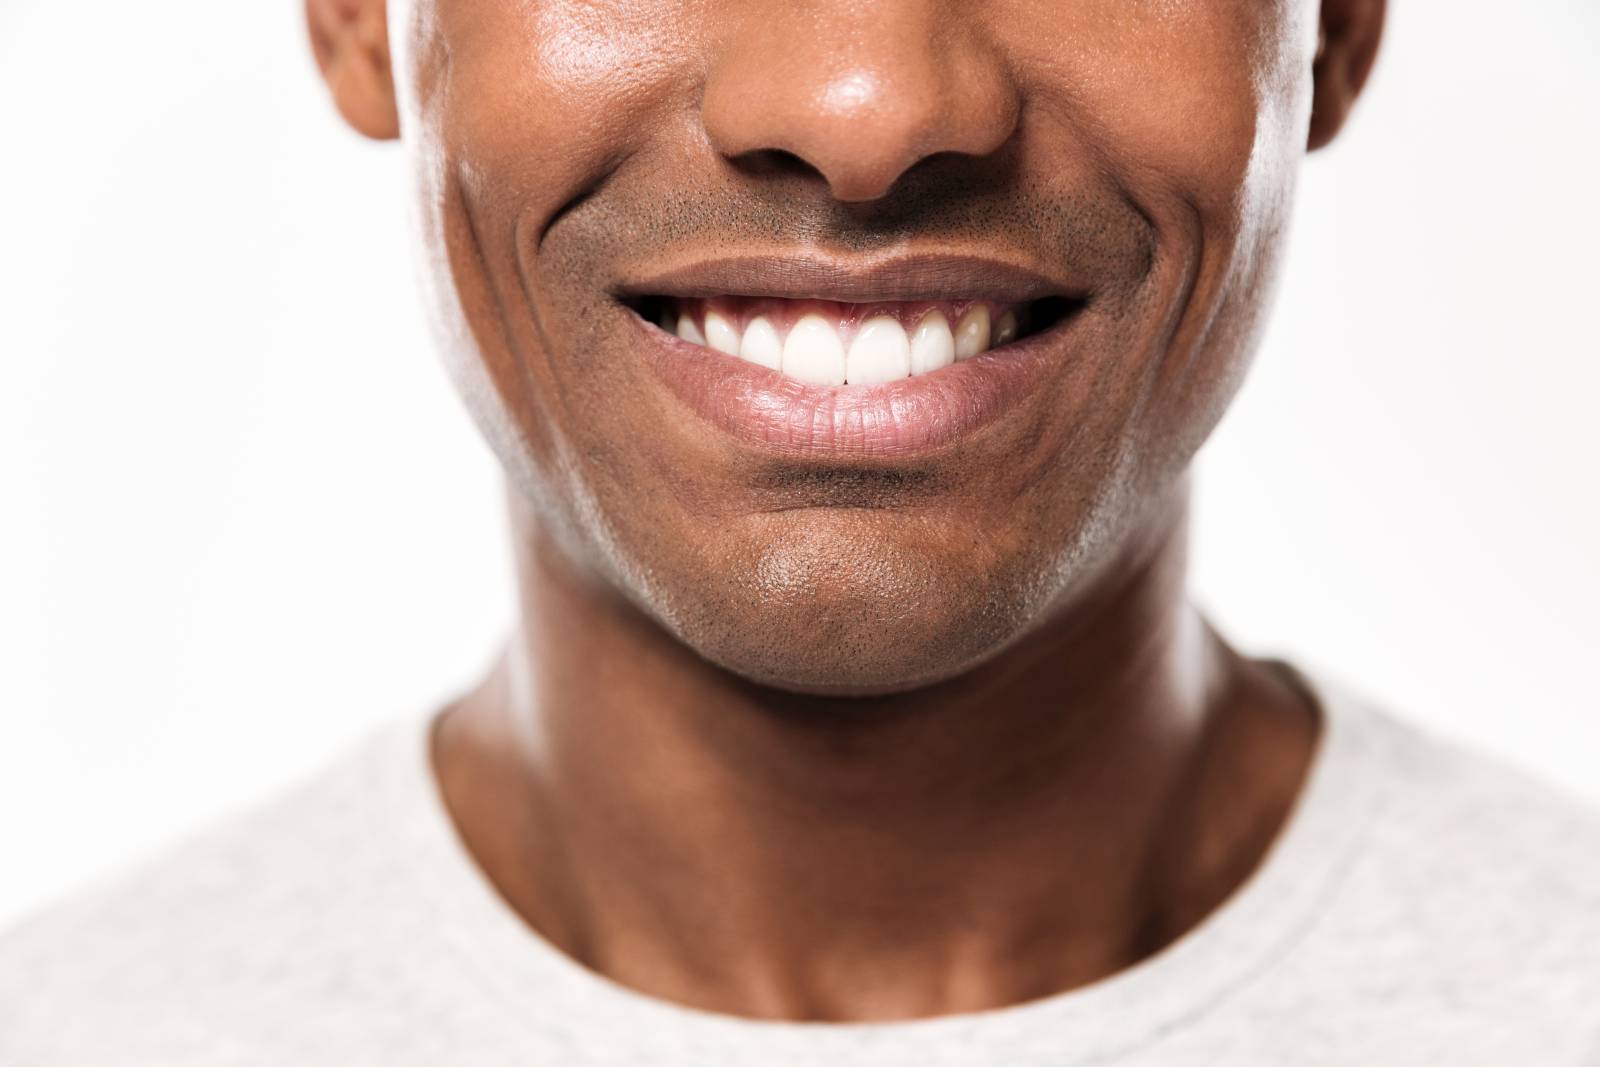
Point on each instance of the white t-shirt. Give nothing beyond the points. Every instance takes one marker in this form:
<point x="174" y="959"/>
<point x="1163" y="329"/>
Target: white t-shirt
<point x="1421" y="906"/>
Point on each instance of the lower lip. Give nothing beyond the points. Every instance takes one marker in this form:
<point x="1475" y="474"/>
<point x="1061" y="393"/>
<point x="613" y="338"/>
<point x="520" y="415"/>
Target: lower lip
<point x="894" y="420"/>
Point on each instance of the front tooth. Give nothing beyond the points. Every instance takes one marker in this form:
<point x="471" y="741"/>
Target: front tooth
<point x="688" y="331"/>
<point x="813" y="353"/>
<point x="761" y="344"/>
<point x="721" y="334"/>
<point x="972" y="334"/>
<point x="932" y="345"/>
<point x="1005" y="331"/>
<point x="880" y="353"/>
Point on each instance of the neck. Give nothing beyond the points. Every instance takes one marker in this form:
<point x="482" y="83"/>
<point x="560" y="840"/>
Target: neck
<point x="1037" y="823"/>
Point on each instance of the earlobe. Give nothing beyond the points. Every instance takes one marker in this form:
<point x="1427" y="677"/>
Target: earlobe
<point x="1347" y="44"/>
<point x="350" y="40"/>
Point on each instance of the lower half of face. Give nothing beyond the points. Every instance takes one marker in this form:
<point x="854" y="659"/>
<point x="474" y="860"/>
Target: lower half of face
<point x="850" y="392"/>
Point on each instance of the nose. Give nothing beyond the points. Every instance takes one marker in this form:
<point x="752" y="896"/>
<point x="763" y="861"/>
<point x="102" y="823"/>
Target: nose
<point x="859" y="91"/>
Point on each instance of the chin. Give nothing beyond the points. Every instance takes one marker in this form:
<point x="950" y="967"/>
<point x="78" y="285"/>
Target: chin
<point x="863" y="661"/>
<point x="846" y="617"/>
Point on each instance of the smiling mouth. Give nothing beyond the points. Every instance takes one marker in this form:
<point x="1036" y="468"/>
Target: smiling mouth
<point x="888" y="361"/>
<point x="836" y="343"/>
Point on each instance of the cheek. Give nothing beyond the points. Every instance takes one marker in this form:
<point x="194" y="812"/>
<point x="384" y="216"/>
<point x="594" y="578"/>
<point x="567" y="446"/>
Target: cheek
<point x="1196" y="109"/>
<point x="513" y="111"/>
<point x="1175" y="96"/>
<point x="540" y="100"/>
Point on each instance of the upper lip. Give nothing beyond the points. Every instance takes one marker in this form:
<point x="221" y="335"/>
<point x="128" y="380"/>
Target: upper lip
<point x="809" y="276"/>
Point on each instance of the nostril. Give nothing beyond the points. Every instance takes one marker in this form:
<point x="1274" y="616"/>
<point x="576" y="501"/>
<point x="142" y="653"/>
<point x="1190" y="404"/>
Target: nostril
<point x="774" y="162"/>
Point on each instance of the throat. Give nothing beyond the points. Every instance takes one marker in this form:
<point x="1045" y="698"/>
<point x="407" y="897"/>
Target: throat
<point x="1034" y="826"/>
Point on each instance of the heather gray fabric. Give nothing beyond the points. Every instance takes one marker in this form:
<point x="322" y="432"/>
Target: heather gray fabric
<point x="1423" y="906"/>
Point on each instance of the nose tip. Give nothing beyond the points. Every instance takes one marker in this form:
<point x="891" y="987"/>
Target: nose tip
<point x="860" y="113"/>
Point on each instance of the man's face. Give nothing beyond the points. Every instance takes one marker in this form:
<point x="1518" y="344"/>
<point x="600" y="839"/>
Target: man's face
<point x="1114" y="174"/>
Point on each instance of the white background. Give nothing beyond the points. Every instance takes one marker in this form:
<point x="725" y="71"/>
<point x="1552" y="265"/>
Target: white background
<point x="242" y="518"/>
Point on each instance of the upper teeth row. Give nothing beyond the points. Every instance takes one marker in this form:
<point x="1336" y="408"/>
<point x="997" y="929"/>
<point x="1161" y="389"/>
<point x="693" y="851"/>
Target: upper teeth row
<point x="880" y="351"/>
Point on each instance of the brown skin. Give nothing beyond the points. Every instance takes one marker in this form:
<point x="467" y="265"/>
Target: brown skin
<point x="872" y="739"/>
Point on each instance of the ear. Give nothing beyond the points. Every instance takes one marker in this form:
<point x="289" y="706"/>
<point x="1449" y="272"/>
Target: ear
<point x="1347" y="43"/>
<point x="350" y="39"/>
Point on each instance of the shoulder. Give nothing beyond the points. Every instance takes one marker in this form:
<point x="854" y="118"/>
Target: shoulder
<point x="1475" y="894"/>
<point x="234" y="932"/>
<point x="1501" y="834"/>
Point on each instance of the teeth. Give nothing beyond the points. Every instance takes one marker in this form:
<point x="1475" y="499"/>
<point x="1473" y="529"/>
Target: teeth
<point x="1005" y="331"/>
<point x="688" y="331"/>
<point x="880" y="353"/>
<point x="761" y="344"/>
<point x="721" y="334"/>
<point x="834" y="348"/>
<point x="813" y="352"/>
<point x="972" y="333"/>
<point x="932" y="345"/>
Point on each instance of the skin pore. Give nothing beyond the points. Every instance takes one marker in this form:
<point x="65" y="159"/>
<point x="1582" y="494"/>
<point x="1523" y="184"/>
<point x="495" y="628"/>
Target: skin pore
<point x="851" y="732"/>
